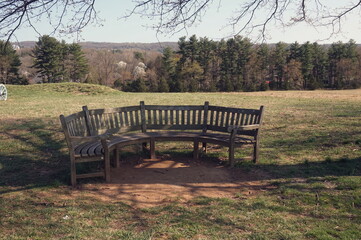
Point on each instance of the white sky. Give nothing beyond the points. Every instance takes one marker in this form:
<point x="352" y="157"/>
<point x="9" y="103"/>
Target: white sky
<point x="212" y="26"/>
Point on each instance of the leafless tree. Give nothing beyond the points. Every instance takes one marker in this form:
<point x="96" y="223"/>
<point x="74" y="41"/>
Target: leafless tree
<point x="71" y="16"/>
<point x="65" y="16"/>
<point x="249" y="15"/>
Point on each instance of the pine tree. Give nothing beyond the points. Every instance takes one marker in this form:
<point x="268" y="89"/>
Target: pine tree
<point x="163" y="85"/>
<point x="244" y="82"/>
<point x="167" y="68"/>
<point x="307" y="56"/>
<point x="343" y="62"/>
<point x="78" y="65"/>
<point x="9" y="65"/>
<point x="205" y="56"/>
<point x="262" y="66"/>
<point x="279" y="61"/>
<point x="48" y="59"/>
<point x="319" y="71"/>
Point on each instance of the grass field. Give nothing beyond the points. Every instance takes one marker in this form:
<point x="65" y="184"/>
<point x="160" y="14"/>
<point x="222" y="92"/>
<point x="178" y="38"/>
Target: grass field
<point x="310" y="155"/>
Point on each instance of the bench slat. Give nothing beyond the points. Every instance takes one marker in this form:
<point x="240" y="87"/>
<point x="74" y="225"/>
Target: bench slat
<point x="116" y="120"/>
<point x="171" y="117"/>
<point x="174" y="127"/>
<point x="155" y="117"/>
<point x="121" y="119"/>
<point x="200" y="116"/>
<point x="224" y="138"/>
<point x="222" y="119"/>
<point x="177" y="117"/>
<point x="137" y="123"/>
<point x="183" y="117"/>
<point x="166" y="112"/>
<point x="131" y="118"/>
<point x="126" y="119"/>
<point x="227" y="119"/>
<point x="166" y="107"/>
<point x="160" y="112"/>
<point x="239" y="110"/>
<point x="74" y="116"/>
<point x="113" y="110"/>
<point x="88" y="175"/>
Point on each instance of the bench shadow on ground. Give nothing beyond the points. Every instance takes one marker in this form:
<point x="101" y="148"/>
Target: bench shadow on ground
<point x="34" y="154"/>
<point x="39" y="158"/>
<point x="176" y="176"/>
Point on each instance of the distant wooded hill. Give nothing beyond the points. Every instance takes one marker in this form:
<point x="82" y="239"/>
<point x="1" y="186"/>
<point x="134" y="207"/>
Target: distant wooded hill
<point x="107" y="45"/>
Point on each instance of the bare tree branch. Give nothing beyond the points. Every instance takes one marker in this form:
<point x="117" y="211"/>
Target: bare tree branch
<point x="171" y="16"/>
<point x="65" y="16"/>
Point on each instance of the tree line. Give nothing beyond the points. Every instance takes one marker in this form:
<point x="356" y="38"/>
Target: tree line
<point x="199" y="64"/>
<point x="237" y="64"/>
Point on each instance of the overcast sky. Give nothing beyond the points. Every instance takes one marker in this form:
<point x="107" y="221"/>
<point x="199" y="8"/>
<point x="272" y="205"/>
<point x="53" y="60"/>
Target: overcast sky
<point x="213" y="26"/>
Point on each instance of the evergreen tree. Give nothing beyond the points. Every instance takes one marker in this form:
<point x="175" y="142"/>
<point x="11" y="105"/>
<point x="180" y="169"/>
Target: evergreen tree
<point x="279" y="61"/>
<point x="48" y="54"/>
<point x="78" y="65"/>
<point x="205" y="57"/>
<point x="244" y="82"/>
<point x="295" y="52"/>
<point x="319" y="71"/>
<point x="258" y="68"/>
<point x="192" y="49"/>
<point x="163" y="85"/>
<point x="343" y="62"/>
<point x="9" y="65"/>
<point x="264" y="66"/>
<point x="188" y="70"/>
<point x="137" y="85"/>
<point x="167" y="68"/>
<point x="293" y="77"/>
<point x="307" y="56"/>
<point x="58" y="61"/>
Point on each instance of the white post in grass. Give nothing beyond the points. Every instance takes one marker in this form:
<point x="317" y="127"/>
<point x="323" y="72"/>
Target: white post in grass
<point x="3" y="92"/>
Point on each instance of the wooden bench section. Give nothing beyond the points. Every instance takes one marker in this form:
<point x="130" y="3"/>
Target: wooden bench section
<point x="93" y="134"/>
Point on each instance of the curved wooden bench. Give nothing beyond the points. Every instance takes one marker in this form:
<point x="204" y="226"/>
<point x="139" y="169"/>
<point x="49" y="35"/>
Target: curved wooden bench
<point x="93" y="134"/>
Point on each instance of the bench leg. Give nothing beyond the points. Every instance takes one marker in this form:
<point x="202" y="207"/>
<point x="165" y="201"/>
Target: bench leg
<point x="204" y="147"/>
<point x="255" y="152"/>
<point x="144" y="146"/>
<point x="73" y="171"/>
<point x="231" y="156"/>
<point x="152" y="148"/>
<point x="138" y="149"/>
<point x="107" y="165"/>
<point x="195" y="150"/>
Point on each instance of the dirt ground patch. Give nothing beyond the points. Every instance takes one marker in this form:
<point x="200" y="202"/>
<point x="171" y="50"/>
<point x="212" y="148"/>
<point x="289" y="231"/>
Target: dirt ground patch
<point x="152" y="182"/>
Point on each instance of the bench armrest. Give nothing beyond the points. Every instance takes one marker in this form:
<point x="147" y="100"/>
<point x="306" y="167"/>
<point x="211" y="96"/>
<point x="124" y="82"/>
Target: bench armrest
<point x="243" y="128"/>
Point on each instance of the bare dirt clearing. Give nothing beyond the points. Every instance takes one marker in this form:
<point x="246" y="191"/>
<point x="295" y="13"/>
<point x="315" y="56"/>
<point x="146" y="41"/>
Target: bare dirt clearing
<point x="152" y="182"/>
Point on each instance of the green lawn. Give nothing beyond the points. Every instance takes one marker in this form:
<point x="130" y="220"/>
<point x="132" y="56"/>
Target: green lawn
<point x="310" y="151"/>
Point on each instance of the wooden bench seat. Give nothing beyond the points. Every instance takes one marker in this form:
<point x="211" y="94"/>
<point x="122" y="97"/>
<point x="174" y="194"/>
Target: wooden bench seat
<point x="89" y="149"/>
<point x="224" y="139"/>
<point x="92" y="134"/>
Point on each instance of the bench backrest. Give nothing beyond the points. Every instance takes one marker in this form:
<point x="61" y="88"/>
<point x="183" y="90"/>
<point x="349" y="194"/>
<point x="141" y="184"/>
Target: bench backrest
<point x="162" y="117"/>
<point x="220" y="118"/>
<point x="74" y="125"/>
<point x="159" y="117"/>
<point x="114" y="120"/>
